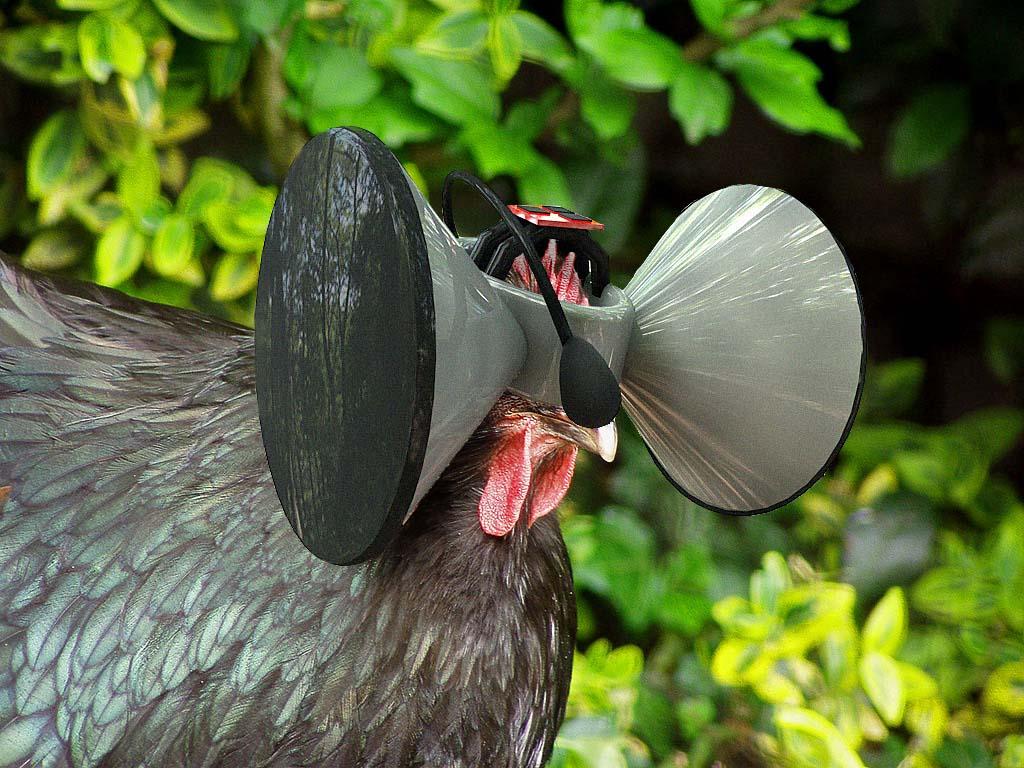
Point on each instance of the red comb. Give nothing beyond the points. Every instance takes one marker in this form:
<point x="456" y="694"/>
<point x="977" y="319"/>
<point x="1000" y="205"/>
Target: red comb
<point x="565" y="281"/>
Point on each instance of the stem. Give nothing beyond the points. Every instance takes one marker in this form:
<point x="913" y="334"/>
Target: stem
<point x="282" y="136"/>
<point x="704" y="45"/>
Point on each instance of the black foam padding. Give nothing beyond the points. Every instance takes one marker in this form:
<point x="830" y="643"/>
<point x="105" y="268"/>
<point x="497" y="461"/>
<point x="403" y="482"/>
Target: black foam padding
<point x="345" y="345"/>
<point x="590" y="392"/>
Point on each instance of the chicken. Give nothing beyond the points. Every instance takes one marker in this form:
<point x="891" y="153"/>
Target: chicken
<point x="156" y="609"/>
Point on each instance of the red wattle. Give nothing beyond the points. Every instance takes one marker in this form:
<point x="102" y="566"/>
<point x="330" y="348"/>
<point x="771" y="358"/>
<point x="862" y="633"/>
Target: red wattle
<point x="553" y="478"/>
<point x="508" y="482"/>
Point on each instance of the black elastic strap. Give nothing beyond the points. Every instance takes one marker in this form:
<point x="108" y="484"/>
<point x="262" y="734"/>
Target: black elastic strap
<point x="536" y="266"/>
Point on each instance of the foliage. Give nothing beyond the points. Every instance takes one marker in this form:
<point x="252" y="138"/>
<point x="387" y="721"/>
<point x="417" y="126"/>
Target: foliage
<point x="890" y="635"/>
<point x="112" y="190"/>
<point x="882" y="628"/>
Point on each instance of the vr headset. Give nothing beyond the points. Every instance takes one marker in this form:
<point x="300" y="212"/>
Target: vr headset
<point x="383" y="339"/>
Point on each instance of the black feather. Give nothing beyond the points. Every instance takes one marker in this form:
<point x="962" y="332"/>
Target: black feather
<point x="156" y="608"/>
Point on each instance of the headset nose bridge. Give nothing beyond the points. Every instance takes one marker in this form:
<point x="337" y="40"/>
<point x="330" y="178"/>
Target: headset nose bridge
<point x="607" y="324"/>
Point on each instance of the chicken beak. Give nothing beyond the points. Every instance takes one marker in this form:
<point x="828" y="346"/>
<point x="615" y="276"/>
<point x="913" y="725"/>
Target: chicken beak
<point x="603" y="441"/>
<point x="606" y="441"/>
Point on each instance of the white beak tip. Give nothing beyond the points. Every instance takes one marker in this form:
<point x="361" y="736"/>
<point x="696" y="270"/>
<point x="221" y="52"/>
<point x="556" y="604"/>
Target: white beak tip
<point x="608" y="441"/>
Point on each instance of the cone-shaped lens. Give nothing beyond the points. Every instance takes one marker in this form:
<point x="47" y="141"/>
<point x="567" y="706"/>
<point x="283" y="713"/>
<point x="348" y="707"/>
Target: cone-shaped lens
<point x="746" y="363"/>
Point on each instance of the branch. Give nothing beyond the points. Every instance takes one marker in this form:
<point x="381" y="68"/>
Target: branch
<point x="282" y="136"/>
<point x="704" y="45"/>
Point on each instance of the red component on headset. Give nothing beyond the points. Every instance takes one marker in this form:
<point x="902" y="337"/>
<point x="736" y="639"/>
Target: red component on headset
<point x="554" y="216"/>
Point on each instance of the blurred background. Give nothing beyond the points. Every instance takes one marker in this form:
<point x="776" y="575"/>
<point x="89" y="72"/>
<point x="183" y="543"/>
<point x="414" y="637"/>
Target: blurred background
<point x="876" y="621"/>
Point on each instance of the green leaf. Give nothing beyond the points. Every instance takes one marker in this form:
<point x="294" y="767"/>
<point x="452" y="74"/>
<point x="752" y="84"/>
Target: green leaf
<point x="173" y="245"/>
<point x="588" y="20"/>
<point x="55" y="149"/>
<point x="738" y="618"/>
<point x="161" y="291"/>
<point x="955" y="594"/>
<point x="880" y="677"/>
<point x="543" y="183"/>
<point x="341" y="78"/>
<point x="44" y="53"/>
<point x="775" y="688"/>
<point x="98" y="214"/>
<point x="461" y="34"/>
<point x="610" y="189"/>
<point x="109" y="44"/>
<point x="811" y="27"/>
<point x="711" y="14"/>
<point x="240" y="227"/>
<point x="299" y="66"/>
<point x="605" y="106"/>
<point x="943" y="467"/>
<point x="138" y="181"/>
<point x="203" y="19"/>
<point x="505" y="46"/>
<point x="90" y="5"/>
<point x="459" y="91"/>
<point x="886" y="625"/>
<point x="917" y="683"/>
<point x="732" y="660"/>
<point x="212" y="181"/>
<point x="640" y="58"/>
<point x="892" y="388"/>
<point x="963" y="753"/>
<point x="767" y="584"/>
<point x="86" y="179"/>
<point x="694" y="714"/>
<point x="796" y="105"/>
<point x="119" y="253"/>
<point x="701" y="100"/>
<point x="993" y="503"/>
<point x="498" y="150"/>
<point x="684" y="612"/>
<point x="1004" y="690"/>
<point x="226" y="65"/>
<point x="541" y="43"/>
<point x="266" y="16"/>
<point x="811" y="741"/>
<point x="775" y="60"/>
<point x="782" y="83"/>
<point x="54" y="249"/>
<point x="1013" y="752"/>
<point x="457" y="5"/>
<point x="613" y="557"/>
<point x="931" y="126"/>
<point x="837" y="6"/>
<point x="927" y="719"/>
<point x="838" y="654"/>
<point x="234" y="276"/>
<point x="992" y="431"/>
<point x="391" y="116"/>
<point x="529" y="117"/>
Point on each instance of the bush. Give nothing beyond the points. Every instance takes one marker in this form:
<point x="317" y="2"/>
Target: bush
<point x="112" y="190"/>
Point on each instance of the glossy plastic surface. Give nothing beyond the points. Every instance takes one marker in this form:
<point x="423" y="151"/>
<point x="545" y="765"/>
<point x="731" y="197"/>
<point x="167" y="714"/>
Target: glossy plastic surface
<point x="479" y="346"/>
<point x="746" y="362"/>
<point x="607" y="324"/>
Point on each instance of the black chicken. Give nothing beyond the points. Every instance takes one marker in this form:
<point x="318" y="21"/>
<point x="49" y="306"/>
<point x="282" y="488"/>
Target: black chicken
<point x="156" y="609"/>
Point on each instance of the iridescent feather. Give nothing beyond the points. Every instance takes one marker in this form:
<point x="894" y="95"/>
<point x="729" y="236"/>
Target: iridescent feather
<point x="157" y="610"/>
